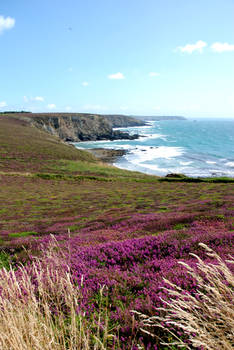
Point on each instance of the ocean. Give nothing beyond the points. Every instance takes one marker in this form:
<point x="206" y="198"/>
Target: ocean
<point x="194" y="147"/>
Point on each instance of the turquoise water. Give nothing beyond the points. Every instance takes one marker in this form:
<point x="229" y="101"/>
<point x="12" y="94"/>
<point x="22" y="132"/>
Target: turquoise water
<point x="192" y="147"/>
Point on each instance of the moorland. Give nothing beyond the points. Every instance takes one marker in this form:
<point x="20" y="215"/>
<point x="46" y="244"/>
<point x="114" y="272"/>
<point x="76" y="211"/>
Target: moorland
<point x="114" y="228"/>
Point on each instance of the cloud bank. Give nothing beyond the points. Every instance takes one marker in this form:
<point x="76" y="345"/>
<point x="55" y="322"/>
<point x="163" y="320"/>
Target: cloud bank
<point x="222" y="47"/>
<point x="117" y="76"/>
<point x="38" y="98"/>
<point x="200" y="45"/>
<point x="190" y="48"/>
<point x="6" y="23"/>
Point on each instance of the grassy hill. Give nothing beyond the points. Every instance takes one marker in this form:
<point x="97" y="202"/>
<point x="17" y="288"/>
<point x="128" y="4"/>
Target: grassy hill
<point x="117" y="228"/>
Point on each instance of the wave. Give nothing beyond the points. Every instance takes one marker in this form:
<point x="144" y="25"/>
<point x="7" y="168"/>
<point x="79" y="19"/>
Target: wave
<point x="186" y="163"/>
<point x="143" y="138"/>
<point x="210" y="162"/>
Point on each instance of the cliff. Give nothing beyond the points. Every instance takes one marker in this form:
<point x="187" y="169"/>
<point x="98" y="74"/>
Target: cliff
<point x="122" y="121"/>
<point x="75" y="127"/>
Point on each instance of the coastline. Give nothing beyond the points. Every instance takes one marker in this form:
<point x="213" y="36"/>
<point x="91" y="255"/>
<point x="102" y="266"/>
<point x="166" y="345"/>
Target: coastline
<point x="107" y="155"/>
<point x="183" y="147"/>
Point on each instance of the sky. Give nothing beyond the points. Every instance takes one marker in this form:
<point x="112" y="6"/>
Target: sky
<point x="134" y="57"/>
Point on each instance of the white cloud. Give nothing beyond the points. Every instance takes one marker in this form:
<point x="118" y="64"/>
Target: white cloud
<point x="38" y="98"/>
<point x="51" y="106"/>
<point x="190" y="48"/>
<point x="95" y="107"/>
<point x="116" y="76"/>
<point x="154" y="74"/>
<point x="85" y="83"/>
<point x="3" y="104"/>
<point x="68" y="108"/>
<point x="6" y="23"/>
<point x="157" y="108"/>
<point x="222" y="47"/>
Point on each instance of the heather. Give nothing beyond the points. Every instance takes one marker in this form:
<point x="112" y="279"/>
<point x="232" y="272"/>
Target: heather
<point x="116" y="231"/>
<point x="207" y="317"/>
<point x="91" y="297"/>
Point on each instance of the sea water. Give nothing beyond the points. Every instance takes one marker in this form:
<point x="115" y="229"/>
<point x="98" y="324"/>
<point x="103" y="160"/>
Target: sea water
<point x="201" y="147"/>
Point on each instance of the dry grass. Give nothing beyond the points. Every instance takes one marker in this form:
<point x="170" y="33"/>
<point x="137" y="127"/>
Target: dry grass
<point x="42" y="312"/>
<point x="207" y="318"/>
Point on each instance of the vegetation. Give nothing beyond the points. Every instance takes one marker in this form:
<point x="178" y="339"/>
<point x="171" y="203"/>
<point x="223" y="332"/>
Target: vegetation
<point x="44" y="311"/>
<point x="114" y="228"/>
<point x="207" y="317"/>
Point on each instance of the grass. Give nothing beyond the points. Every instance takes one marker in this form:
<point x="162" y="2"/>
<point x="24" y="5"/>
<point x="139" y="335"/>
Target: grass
<point x="197" y="180"/>
<point x="206" y="318"/>
<point x="23" y="234"/>
<point x="5" y="260"/>
<point x="28" y="149"/>
<point x="47" y="317"/>
<point x="51" y="204"/>
<point x="42" y="302"/>
<point x="127" y="231"/>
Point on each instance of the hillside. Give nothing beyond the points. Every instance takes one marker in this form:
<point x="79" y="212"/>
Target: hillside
<point x="26" y="148"/>
<point x="122" y="121"/>
<point x="75" y="127"/>
<point x="114" y="228"/>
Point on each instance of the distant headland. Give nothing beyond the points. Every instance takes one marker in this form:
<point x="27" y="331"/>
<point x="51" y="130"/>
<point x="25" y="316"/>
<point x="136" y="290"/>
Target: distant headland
<point x="76" y="127"/>
<point x="160" y="118"/>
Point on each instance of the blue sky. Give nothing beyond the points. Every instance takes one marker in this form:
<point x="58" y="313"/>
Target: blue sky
<point x="142" y="57"/>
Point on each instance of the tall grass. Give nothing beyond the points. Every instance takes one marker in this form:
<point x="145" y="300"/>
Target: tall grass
<point x="205" y="319"/>
<point x="39" y="309"/>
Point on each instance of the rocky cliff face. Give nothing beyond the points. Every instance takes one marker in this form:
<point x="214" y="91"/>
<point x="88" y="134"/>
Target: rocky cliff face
<point x="122" y="121"/>
<point x="77" y="127"/>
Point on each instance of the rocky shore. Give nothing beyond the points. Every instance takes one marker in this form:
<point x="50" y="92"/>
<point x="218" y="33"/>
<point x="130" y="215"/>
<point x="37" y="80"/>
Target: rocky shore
<point x="75" y="127"/>
<point x="107" y="155"/>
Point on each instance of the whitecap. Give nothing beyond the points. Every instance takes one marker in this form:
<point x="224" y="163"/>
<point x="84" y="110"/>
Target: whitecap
<point x="142" y="154"/>
<point x="186" y="163"/>
<point x="210" y="162"/>
<point x="152" y="136"/>
<point x="231" y="164"/>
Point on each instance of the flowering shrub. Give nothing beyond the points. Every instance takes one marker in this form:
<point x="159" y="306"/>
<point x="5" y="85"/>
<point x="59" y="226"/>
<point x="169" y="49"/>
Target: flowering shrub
<point x="206" y="317"/>
<point x="134" y="270"/>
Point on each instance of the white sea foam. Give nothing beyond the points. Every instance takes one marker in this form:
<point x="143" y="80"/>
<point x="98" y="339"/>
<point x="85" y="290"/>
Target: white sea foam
<point x="157" y="152"/>
<point x="210" y="162"/>
<point x="131" y="128"/>
<point x="126" y="147"/>
<point x="186" y="163"/>
<point x="142" y="154"/>
<point x="152" y="136"/>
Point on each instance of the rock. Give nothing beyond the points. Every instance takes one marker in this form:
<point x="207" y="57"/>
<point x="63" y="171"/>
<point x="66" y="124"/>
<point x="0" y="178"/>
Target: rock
<point x="122" y="121"/>
<point x="107" y="155"/>
<point x="78" y="127"/>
